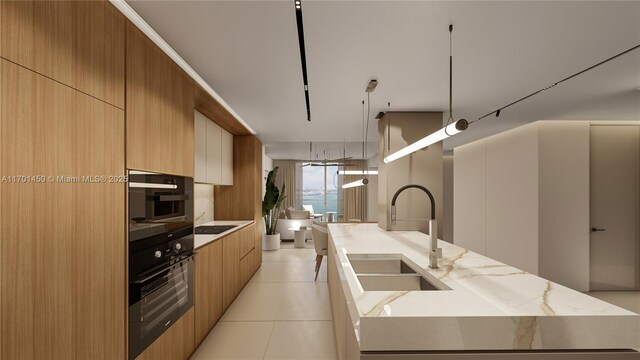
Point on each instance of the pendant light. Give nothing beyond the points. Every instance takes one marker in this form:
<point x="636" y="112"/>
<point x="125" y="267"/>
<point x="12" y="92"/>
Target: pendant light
<point x="356" y="183"/>
<point x="358" y="172"/>
<point x="450" y="129"/>
<point x="370" y="88"/>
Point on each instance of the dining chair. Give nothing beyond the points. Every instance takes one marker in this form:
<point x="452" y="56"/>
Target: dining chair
<point x="320" y="242"/>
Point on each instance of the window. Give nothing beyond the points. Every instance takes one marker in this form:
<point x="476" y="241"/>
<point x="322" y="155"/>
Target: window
<point x="320" y="188"/>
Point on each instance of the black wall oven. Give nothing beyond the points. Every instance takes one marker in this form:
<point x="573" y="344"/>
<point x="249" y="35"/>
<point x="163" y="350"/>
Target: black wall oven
<point x="161" y="256"/>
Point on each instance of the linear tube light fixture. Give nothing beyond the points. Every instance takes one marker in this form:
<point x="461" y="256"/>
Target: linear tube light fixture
<point x="358" y="172"/>
<point x="152" y="186"/>
<point x="437" y="136"/>
<point x="356" y="183"/>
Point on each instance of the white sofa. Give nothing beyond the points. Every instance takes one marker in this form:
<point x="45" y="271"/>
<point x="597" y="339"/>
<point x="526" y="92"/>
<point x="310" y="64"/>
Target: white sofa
<point x="284" y="224"/>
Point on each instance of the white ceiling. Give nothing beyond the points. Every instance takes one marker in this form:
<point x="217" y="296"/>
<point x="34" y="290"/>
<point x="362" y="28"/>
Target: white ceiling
<point x="248" y="52"/>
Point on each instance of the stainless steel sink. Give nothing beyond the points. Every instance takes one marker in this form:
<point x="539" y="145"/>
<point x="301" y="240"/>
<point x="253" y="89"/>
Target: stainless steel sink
<point x="379" y="264"/>
<point x="389" y="272"/>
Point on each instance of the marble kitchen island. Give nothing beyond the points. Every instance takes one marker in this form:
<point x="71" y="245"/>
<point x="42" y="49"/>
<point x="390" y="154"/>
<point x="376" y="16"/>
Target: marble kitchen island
<point x="484" y="306"/>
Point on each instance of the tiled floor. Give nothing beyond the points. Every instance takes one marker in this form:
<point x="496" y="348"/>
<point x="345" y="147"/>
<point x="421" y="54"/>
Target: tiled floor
<point x="281" y="314"/>
<point x="629" y="300"/>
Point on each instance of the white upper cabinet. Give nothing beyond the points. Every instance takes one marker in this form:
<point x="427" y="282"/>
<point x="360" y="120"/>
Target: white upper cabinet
<point x="213" y="152"/>
<point x="227" y="158"/>
<point x="200" y="147"/>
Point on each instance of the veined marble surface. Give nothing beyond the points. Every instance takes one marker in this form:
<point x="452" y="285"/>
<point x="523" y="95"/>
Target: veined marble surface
<point x="489" y="306"/>
<point x="202" y="240"/>
<point x="203" y="203"/>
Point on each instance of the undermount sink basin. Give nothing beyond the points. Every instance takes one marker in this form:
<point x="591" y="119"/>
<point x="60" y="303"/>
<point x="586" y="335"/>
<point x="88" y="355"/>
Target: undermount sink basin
<point x="389" y="272"/>
<point x="379" y="264"/>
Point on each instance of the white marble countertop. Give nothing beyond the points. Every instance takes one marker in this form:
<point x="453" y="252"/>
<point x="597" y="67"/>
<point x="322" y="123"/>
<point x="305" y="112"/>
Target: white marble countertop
<point x="488" y="306"/>
<point x="202" y="240"/>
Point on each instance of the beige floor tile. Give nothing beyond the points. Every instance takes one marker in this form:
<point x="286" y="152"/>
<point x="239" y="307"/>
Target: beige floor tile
<point x="289" y="245"/>
<point x="306" y="271"/>
<point x="302" y="340"/>
<point x="289" y="255"/>
<point x="306" y="301"/>
<point x="257" y="302"/>
<point x="235" y="340"/>
<point x="295" y="271"/>
<point x="274" y="271"/>
<point x="629" y="300"/>
<point x="290" y="271"/>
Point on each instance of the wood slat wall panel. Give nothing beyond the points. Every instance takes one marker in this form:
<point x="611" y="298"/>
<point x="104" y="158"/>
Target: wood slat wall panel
<point x="63" y="247"/>
<point x="160" y="109"/>
<point x="78" y="43"/>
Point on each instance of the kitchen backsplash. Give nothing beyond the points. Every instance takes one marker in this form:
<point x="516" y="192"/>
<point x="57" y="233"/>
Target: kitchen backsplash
<point x="203" y="204"/>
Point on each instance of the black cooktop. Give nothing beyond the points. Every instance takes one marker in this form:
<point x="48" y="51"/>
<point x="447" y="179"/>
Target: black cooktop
<point x="213" y="230"/>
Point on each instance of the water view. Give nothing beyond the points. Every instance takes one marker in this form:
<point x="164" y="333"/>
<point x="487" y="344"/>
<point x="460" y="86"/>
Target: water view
<point x="314" y="198"/>
<point x="314" y="187"/>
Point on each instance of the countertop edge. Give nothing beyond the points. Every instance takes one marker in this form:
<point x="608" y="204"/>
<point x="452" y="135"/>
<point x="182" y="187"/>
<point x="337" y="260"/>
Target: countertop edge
<point x="543" y="332"/>
<point x="241" y="224"/>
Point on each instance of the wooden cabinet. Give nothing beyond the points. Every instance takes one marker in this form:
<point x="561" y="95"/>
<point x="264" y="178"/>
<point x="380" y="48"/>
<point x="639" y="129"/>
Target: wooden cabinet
<point x="214" y="152"/>
<point x="247" y="254"/>
<point x="208" y="289"/>
<point x="221" y="272"/>
<point x="62" y="264"/>
<point x="246" y="240"/>
<point x="231" y="268"/>
<point x="243" y="200"/>
<point x="160" y="115"/>
<point x="78" y="43"/>
<point x="177" y="343"/>
<point x="247" y="268"/>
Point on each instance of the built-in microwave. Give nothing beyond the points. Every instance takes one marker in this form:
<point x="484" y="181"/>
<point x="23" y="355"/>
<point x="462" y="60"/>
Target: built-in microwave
<point x="156" y="197"/>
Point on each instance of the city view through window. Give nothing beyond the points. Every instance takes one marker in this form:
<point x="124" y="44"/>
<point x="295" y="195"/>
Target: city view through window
<point x="317" y="192"/>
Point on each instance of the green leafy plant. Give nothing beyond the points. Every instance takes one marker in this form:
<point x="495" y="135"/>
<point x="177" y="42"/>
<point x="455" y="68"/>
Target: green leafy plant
<point x="272" y="202"/>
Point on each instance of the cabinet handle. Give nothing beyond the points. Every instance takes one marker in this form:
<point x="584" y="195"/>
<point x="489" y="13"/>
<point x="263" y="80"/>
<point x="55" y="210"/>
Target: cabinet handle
<point x="596" y="229"/>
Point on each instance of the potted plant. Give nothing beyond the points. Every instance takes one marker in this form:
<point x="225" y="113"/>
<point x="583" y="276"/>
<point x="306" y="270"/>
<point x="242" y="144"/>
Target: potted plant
<point x="270" y="211"/>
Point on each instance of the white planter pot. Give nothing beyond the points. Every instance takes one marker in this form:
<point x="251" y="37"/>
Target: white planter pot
<point x="271" y="242"/>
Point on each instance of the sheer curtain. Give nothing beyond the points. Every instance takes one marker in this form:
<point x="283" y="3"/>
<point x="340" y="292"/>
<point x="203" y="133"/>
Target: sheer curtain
<point x="354" y="199"/>
<point x="290" y="172"/>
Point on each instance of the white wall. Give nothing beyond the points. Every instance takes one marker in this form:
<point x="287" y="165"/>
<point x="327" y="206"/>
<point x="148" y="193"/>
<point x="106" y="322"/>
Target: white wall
<point x="512" y="197"/>
<point x="522" y="198"/>
<point x="564" y="203"/>
<point x="469" y="205"/>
